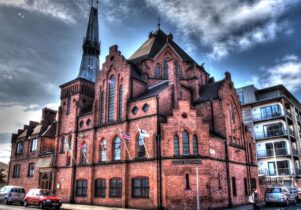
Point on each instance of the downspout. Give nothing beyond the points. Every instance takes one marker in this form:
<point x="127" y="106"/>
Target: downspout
<point x="75" y="164"/>
<point x="246" y="154"/>
<point x="159" y="159"/>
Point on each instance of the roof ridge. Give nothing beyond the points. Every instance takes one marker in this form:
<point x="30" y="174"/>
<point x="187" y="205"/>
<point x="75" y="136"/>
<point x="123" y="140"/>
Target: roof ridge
<point x="158" y="84"/>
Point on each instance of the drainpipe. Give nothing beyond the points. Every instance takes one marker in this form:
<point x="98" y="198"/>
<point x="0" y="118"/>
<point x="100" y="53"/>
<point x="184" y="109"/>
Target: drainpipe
<point x="75" y="164"/>
<point x="159" y="159"/>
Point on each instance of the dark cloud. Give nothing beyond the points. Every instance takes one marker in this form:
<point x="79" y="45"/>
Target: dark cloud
<point x="5" y="138"/>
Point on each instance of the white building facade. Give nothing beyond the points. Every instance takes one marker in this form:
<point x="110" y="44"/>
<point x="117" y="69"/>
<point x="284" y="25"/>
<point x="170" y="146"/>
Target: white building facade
<point x="274" y="117"/>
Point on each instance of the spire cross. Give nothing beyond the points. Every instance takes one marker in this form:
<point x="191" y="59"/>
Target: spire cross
<point x="159" y="23"/>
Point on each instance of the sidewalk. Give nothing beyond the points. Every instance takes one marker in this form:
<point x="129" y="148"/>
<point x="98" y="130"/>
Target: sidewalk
<point x="243" y="207"/>
<point x="67" y="206"/>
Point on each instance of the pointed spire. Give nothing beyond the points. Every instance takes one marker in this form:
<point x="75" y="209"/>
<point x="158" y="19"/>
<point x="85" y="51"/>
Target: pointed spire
<point x="158" y="23"/>
<point x="91" y="47"/>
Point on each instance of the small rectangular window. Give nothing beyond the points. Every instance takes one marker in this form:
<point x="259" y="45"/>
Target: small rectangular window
<point x="81" y="188"/>
<point x="187" y="183"/>
<point x="140" y="188"/>
<point x="116" y="188"/>
<point x="19" y="148"/>
<point x="30" y="170"/>
<point x="16" y="172"/>
<point x="100" y="188"/>
<point x="234" y="186"/>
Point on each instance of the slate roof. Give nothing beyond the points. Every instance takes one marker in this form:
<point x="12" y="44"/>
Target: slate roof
<point x="153" y="90"/>
<point x="209" y="91"/>
<point x="51" y="130"/>
<point x="153" y="45"/>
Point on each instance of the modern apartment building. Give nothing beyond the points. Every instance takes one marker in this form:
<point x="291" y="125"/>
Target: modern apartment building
<point x="273" y="115"/>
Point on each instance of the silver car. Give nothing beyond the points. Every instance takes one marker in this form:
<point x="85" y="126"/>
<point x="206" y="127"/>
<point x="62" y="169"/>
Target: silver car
<point x="279" y="195"/>
<point x="12" y="194"/>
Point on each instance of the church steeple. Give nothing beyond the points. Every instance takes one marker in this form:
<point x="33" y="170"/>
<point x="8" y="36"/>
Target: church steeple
<point x="91" y="47"/>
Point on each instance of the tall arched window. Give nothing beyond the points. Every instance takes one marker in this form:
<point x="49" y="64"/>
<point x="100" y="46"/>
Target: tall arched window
<point x="141" y="148"/>
<point x="103" y="150"/>
<point x="102" y="107"/>
<point x="165" y="68"/>
<point x="111" y="97"/>
<point x="232" y="115"/>
<point x="158" y="70"/>
<point x="62" y="144"/>
<point x="120" y="102"/>
<point x="68" y="104"/>
<point x="185" y="138"/>
<point x="117" y="149"/>
<point x="195" y="145"/>
<point x="176" y="146"/>
<point x="178" y="69"/>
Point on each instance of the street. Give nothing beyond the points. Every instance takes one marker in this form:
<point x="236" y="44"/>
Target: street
<point x="17" y="207"/>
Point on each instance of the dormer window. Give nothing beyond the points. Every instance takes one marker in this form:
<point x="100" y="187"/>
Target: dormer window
<point x="165" y="68"/>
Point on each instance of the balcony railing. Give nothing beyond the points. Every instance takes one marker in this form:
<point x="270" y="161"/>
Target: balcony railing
<point x="281" y="172"/>
<point x="270" y="133"/>
<point x="275" y="152"/>
<point x="266" y="116"/>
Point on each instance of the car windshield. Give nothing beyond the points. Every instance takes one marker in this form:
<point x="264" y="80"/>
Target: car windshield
<point x="17" y="190"/>
<point x="273" y="190"/>
<point x="46" y="193"/>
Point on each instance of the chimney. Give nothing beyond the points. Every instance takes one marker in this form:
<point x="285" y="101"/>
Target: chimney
<point x="48" y="116"/>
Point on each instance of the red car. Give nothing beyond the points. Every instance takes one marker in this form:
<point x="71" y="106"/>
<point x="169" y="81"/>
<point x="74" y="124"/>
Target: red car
<point x="42" y="198"/>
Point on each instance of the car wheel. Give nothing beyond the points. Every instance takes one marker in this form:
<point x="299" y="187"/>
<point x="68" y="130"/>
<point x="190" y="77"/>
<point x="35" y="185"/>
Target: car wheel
<point x="25" y="204"/>
<point x="6" y="202"/>
<point x="41" y="206"/>
<point x="57" y="208"/>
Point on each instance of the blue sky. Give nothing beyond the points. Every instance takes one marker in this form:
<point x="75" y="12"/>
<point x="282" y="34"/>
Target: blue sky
<point x="258" y="41"/>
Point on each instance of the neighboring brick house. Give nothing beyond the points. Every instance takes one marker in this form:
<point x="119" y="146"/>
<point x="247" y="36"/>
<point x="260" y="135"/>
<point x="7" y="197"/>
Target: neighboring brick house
<point x="31" y="163"/>
<point x="194" y="124"/>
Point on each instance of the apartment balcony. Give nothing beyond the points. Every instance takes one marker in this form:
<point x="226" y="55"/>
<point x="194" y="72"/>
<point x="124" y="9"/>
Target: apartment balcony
<point x="269" y="116"/>
<point x="271" y="134"/>
<point x="280" y="172"/>
<point x="298" y="171"/>
<point x="276" y="153"/>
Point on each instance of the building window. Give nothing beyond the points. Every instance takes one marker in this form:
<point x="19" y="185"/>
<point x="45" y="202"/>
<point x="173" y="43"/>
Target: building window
<point x="176" y="146"/>
<point x="158" y="70"/>
<point x="240" y="94"/>
<point x="165" y="68"/>
<point x="102" y="107"/>
<point x="141" y="147"/>
<point x="219" y="181"/>
<point x="234" y="186"/>
<point x="120" y="102"/>
<point x="34" y="144"/>
<point x="275" y="129"/>
<point x="16" y="172"/>
<point x="19" y="148"/>
<point x="83" y="152"/>
<point x="115" y="188"/>
<point x="185" y="138"/>
<point x="187" y="182"/>
<point x="232" y="114"/>
<point x="103" y="150"/>
<point x="246" y="186"/>
<point x="62" y="145"/>
<point x="117" y="146"/>
<point x="270" y="111"/>
<point x="81" y="188"/>
<point x="111" y="98"/>
<point x="68" y="162"/>
<point x="178" y="69"/>
<point x="100" y="188"/>
<point x="253" y="183"/>
<point x="140" y="187"/>
<point x="135" y="110"/>
<point x="30" y="170"/>
<point x="145" y="107"/>
<point x="68" y="104"/>
<point x="195" y="145"/>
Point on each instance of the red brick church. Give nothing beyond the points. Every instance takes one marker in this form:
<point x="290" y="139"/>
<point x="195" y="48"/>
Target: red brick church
<point x="151" y="131"/>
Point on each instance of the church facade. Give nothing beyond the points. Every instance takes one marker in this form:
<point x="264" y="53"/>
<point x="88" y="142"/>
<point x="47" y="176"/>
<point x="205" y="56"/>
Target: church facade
<point x="152" y="131"/>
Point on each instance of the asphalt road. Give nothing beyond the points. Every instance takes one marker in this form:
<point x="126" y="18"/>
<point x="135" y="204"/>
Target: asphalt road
<point x="297" y="207"/>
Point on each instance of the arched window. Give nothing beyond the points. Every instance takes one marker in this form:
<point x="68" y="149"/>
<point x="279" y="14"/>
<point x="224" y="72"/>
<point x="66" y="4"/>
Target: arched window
<point x="120" y="102"/>
<point x="68" y="104"/>
<point x="165" y="68"/>
<point x="111" y="98"/>
<point x="141" y="148"/>
<point x="232" y="115"/>
<point x="68" y="148"/>
<point x="158" y="70"/>
<point x="103" y="150"/>
<point x="117" y="149"/>
<point x="102" y="107"/>
<point x="176" y="146"/>
<point x="62" y="144"/>
<point x="185" y="138"/>
<point x="83" y="148"/>
<point x="195" y="145"/>
<point x="178" y="69"/>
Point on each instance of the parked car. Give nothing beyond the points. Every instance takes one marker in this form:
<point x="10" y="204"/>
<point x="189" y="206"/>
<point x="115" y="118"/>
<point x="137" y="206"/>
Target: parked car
<point x="12" y="194"/>
<point x="279" y="195"/>
<point x="42" y="198"/>
<point x="297" y="192"/>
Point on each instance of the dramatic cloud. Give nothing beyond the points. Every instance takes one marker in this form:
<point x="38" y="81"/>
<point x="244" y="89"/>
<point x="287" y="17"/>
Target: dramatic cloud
<point x="67" y="11"/>
<point x="286" y="71"/>
<point x="226" y="26"/>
